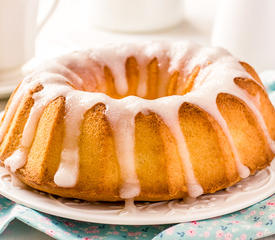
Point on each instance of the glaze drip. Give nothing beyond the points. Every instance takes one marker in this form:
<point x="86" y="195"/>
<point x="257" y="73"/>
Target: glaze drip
<point x="218" y="69"/>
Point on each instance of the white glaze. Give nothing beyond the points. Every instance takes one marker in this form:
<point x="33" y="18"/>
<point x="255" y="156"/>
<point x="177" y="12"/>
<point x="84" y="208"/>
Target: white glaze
<point x="123" y="126"/>
<point x="75" y="109"/>
<point x="129" y="207"/>
<point x="213" y="79"/>
<point x="16" y="160"/>
<point x="272" y="164"/>
<point x="171" y="119"/>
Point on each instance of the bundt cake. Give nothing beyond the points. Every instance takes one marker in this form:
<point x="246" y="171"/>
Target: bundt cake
<point x="149" y="122"/>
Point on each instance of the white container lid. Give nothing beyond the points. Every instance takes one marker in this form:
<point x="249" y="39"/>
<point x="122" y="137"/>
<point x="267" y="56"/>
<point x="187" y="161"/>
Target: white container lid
<point x="136" y="15"/>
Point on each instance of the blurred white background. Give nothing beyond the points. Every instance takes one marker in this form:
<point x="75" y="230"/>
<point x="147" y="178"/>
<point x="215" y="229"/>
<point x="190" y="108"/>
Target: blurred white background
<point x="71" y="28"/>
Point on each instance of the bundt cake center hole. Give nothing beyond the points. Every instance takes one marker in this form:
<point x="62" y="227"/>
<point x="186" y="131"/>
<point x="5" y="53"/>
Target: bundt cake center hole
<point x="148" y="82"/>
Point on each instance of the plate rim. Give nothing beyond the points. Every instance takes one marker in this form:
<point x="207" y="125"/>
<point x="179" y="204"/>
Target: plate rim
<point x="131" y="220"/>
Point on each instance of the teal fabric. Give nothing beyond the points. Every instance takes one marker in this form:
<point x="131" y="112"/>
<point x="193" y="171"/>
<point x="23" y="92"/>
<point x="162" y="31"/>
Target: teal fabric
<point x="254" y="222"/>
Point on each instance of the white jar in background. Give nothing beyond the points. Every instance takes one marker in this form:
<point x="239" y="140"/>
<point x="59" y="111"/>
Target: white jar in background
<point x="135" y="15"/>
<point x="247" y="29"/>
<point x="18" y="30"/>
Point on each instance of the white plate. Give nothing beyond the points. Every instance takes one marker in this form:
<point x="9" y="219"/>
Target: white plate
<point x="239" y="196"/>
